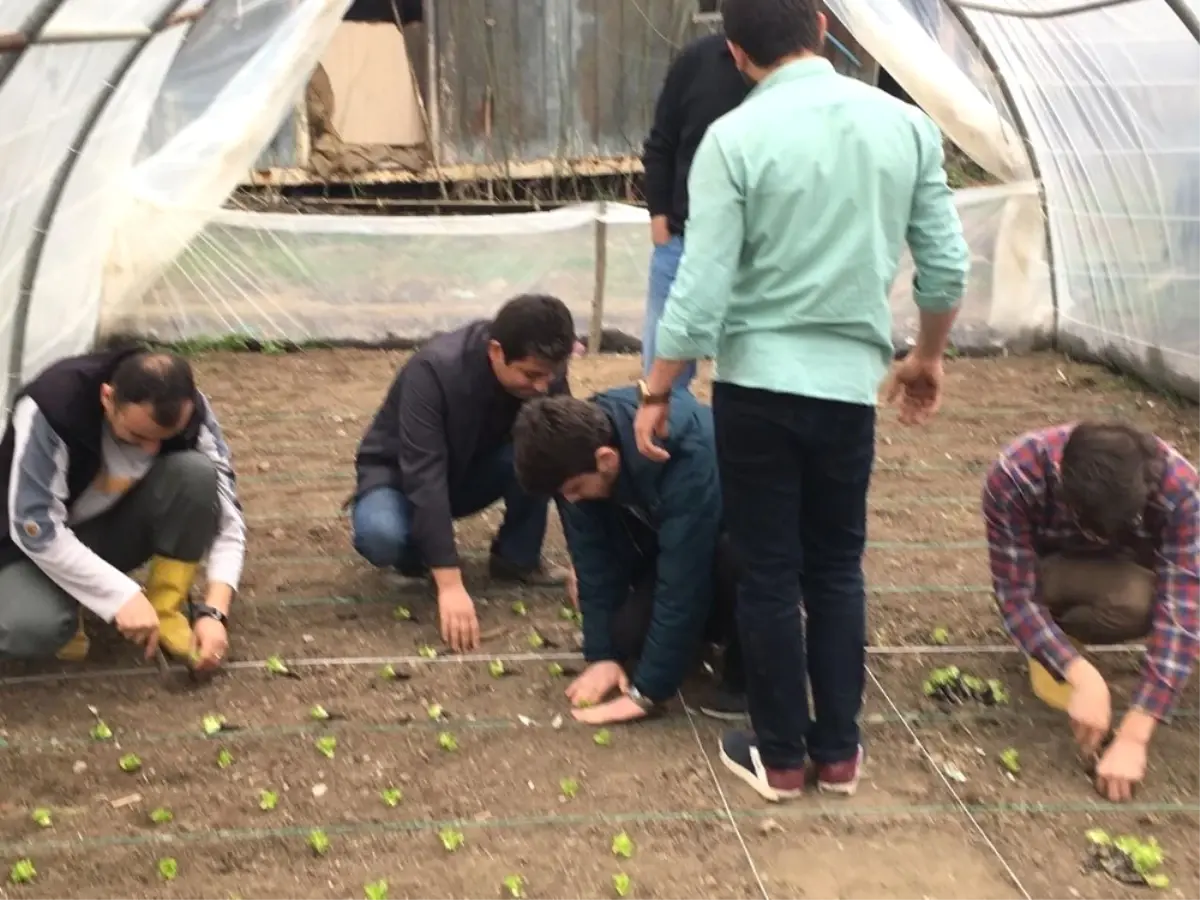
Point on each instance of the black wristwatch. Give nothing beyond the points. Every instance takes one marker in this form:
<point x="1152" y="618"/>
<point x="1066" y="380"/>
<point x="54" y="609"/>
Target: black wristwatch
<point x="204" y="611"/>
<point x="644" y="703"/>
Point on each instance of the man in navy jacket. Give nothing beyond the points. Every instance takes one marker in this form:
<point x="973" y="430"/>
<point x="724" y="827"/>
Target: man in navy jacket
<point x="653" y="576"/>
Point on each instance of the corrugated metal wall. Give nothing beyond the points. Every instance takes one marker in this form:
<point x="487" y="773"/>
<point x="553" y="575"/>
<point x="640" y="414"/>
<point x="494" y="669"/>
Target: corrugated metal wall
<point x="536" y="79"/>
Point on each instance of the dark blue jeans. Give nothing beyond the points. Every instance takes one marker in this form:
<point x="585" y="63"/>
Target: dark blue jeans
<point x="381" y="518"/>
<point x="794" y="477"/>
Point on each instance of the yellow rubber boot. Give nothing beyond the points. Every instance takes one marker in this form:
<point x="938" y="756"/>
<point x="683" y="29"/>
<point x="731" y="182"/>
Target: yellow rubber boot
<point x="167" y="588"/>
<point x="76" y="649"/>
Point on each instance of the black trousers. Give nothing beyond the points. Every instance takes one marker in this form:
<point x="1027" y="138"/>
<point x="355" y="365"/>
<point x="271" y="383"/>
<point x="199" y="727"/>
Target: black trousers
<point x="632" y="621"/>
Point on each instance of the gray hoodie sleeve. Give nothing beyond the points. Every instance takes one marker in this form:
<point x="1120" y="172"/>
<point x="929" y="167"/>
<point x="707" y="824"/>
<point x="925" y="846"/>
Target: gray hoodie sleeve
<point x="37" y="515"/>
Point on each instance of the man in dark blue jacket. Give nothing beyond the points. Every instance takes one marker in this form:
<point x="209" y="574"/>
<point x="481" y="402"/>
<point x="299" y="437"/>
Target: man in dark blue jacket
<point x="653" y="575"/>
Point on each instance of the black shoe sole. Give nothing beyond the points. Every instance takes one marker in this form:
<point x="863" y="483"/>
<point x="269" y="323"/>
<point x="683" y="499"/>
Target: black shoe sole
<point x="724" y="715"/>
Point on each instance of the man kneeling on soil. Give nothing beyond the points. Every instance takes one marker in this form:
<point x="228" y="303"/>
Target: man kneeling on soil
<point x="114" y="460"/>
<point x="440" y="448"/>
<point x="644" y="541"/>
<point x="1092" y="530"/>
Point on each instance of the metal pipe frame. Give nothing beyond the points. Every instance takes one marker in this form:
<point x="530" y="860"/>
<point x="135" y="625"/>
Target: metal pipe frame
<point x="19" y="40"/>
<point x="33" y="24"/>
<point x="41" y="229"/>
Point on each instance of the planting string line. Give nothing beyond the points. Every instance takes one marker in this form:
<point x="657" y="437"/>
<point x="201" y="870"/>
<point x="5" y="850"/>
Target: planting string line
<point x="762" y="888"/>
<point x="950" y="787"/>
<point x="795" y="812"/>
<point x="468" y="658"/>
<point x="920" y="718"/>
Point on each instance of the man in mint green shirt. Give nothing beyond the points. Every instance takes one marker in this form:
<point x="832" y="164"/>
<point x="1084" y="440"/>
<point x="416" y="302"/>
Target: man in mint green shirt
<point x="802" y="200"/>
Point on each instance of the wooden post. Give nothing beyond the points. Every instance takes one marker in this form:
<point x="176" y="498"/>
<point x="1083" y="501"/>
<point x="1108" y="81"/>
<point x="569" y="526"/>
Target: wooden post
<point x="596" y="329"/>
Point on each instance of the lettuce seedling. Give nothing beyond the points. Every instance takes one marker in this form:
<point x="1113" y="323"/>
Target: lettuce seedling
<point x="519" y="608"/>
<point x="22" y="872"/>
<point x="212" y="724"/>
<point x="451" y="839"/>
<point x="603" y="737"/>
<point x="326" y="745"/>
<point x="426" y="652"/>
<point x="129" y="762"/>
<point x="376" y="890"/>
<point x="391" y="796"/>
<point x="940" y="636"/>
<point x="622" y="846"/>
<point x="168" y="868"/>
<point x="402" y="614"/>
<point x="318" y="841"/>
<point x="319" y="713"/>
<point x="435" y="712"/>
<point x="555" y="670"/>
<point x="1011" y="760"/>
<point x="41" y="817"/>
<point x="267" y="800"/>
<point x="496" y="668"/>
<point x="621" y="884"/>
<point x="224" y="758"/>
<point x="276" y="666"/>
<point x="161" y="816"/>
<point x="389" y="673"/>
<point x="569" y="787"/>
<point x="514" y="886"/>
<point x="101" y="732"/>
<point x="447" y="742"/>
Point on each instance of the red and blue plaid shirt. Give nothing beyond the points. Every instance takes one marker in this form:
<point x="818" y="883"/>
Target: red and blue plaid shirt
<point x="1018" y="520"/>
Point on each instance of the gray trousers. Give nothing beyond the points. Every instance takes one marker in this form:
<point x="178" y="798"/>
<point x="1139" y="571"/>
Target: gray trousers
<point x="173" y="512"/>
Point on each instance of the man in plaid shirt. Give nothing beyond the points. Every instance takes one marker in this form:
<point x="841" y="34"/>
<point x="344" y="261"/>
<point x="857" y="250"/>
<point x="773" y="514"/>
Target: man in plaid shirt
<point x="1093" y="538"/>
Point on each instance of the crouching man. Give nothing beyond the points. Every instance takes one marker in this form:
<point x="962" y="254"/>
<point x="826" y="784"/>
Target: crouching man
<point x="114" y="460"/>
<point x="644" y="541"/>
<point x="1092" y="534"/>
<point x="440" y="448"/>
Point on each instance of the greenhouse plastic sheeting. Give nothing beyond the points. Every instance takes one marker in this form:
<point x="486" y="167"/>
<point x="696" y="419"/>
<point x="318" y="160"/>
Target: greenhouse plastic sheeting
<point x="374" y="279"/>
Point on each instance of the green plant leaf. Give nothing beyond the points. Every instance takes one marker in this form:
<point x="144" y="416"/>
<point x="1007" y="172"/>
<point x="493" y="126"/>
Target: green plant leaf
<point x="603" y="737"/>
<point x="276" y="666"/>
<point x="391" y="796"/>
<point x="940" y="636"/>
<point x="22" y="872"/>
<point x="536" y="641"/>
<point x="447" y="742"/>
<point x="1157" y="880"/>
<point x="519" y="608"/>
<point x="1098" y="836"/>
<point x="622" y="845"/>
<point x="129" y="762"/>
<point x="451" y="839"/>
<point x="41" y="817"/>
<point x="318" y="713"/>
<point x="376" y="890"/>
<point x="267" y="800"/>
<point x="496" y="668"/>
<point x="567" y="613"/>
<point x="326" y="745"/>
<point x="388" y="672"/>
<point x="212" y="724"/>
<point x="514" y="885"/>
<point x="427" y="652"/>
<point x="621" y="884"/>
<point x="569" y="787"/>
<point x="402" y="614"/>
<point x="555" y="670"/>
<point x="318" y="841"/>
<point x="435" y="712"/>
<point x="161" y="816"/>
<point x="224" y="758"/>
<point x="1011" y="760"/>
<point x="168" y="868"/>
<point x="101" y="732"/>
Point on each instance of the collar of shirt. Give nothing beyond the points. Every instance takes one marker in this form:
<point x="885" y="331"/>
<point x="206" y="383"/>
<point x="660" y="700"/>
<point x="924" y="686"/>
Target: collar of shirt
<point x="808" y="67"/>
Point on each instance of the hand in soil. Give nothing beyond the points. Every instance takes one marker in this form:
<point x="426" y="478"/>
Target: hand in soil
<point x="614" y="712"/>
<point x="210" y="641"/>
<point x="459" y="623"/>
<point x="138" y="622"/>
<point x="597" y="681"/>
<point x="1090" y="708"/>
<point x="1120" y="770"/>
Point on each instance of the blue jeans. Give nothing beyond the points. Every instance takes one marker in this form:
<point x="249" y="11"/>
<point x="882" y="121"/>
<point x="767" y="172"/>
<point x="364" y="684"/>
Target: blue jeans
<point x="795" y="472"/>
<point x="664" y="263"/>
<point x="381" y="519"/>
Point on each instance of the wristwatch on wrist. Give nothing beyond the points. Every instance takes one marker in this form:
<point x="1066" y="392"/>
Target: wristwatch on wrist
<point x="204" y="611"/>
<point x="643" y="702"/>
<point x="648" y="399"/>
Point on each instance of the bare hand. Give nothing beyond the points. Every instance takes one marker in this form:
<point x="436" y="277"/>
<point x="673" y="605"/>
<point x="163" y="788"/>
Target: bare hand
<point x="613" y="712"/>
<point x="597" y="681"/>
<point x="460" y="625"/>
<point x="1121" y="768"/>
<point x="210" y="640"/>
<point x="1090" y="709"/>
<point x="660" y="231"/>
<point x="138" y="622"/>
<point x="650" y="423"/>
<point x="916" y="385"/>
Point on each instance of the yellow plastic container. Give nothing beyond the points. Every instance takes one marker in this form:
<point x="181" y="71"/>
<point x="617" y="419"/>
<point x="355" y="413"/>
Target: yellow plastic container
<point x="1055" y="694"/>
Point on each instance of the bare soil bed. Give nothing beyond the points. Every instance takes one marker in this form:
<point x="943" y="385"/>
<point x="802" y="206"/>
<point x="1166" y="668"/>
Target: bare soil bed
<point x="937" y="814"/>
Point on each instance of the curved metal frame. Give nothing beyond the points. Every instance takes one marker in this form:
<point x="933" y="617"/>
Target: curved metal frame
<point x="33" y="254"/>
<point x="1023" y="131"/>
<point x="32" y="25"/>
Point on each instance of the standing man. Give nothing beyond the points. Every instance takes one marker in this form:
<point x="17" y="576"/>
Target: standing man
<point x="801" y="201"/>
<point x="1093" y="535"/>
<point x="440" y="448"/>
<point x="110" y="461"/>
<point x="702" y="84"/>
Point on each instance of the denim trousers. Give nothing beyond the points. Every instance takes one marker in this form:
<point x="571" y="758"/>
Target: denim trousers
<point x="664" y="263"/>
<point x="795" y="473"/>
<point x="381" y="519"/>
